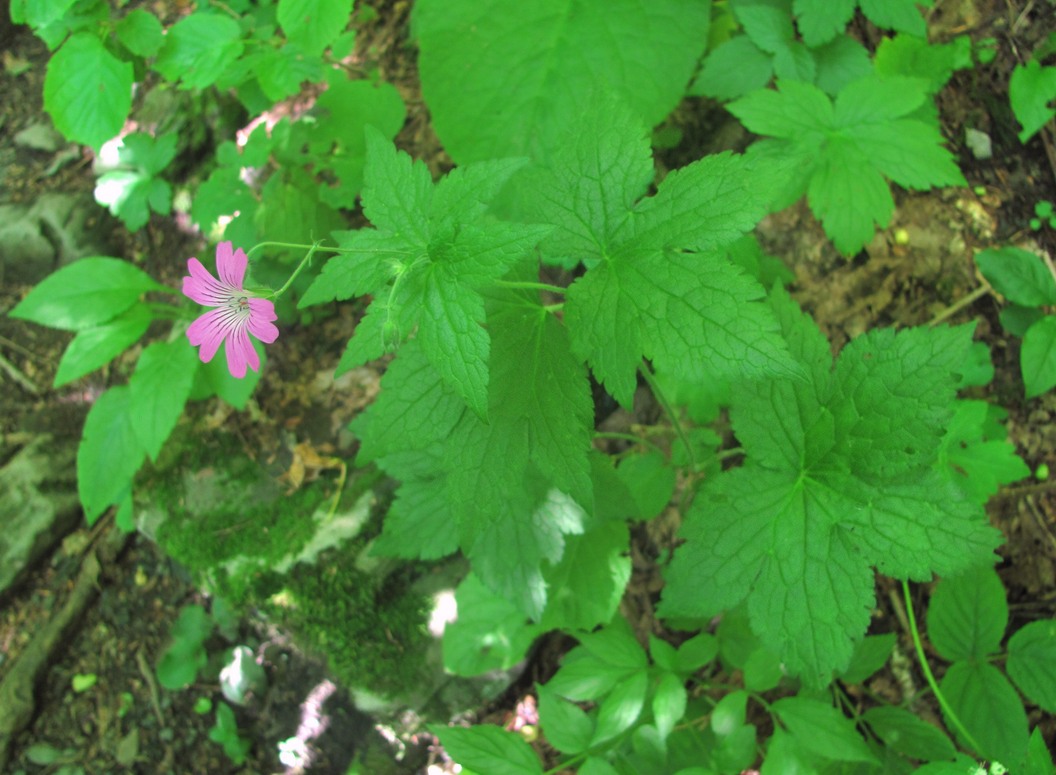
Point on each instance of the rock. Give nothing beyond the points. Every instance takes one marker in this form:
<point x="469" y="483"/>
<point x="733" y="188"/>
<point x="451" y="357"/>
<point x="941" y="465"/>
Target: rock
<point x="38" y="499"/>
<point x="40" y="137"/>
<point x="57" y="230"/>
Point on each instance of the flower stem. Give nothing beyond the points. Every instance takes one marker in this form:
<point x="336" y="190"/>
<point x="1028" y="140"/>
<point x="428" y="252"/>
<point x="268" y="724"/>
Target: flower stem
<point x="669" y="410"/>
<point x="304" y="262"/>
<point x="312" y="248"/>
<point x="947" y="711"/>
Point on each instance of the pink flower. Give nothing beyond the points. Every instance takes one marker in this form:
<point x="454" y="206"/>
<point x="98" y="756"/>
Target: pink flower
<point x="237" y="312"/>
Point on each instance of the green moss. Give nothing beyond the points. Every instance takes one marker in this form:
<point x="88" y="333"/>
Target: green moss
<point x="371" y="632"/>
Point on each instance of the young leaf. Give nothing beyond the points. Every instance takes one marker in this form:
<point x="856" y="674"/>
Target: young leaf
<point x="669" y="703"/>
<point x="199" y="48"/>
<point x="95" y="347"/>
<point x="822" y="730"/>
<point x="871" y="654"/>
<point x="589" y="581"/>
<point x="1030" y="90"/>
<point x="1018" y="275"/>
<point x="140" y="32"/>
<point x="564" y="724"/>
<point x="488" y="749"/>
<point x="1032" y="662"/>
<point x="980" y="454"/>
<point x="850" y="145"/>
<point x="466" y="47"/>
<point x="85" y="294"/>
<point x="819" y="21"/>
<point x="109" y="454"/>
<point x="159" y="389"/>
<point x="1039" y="759"/>
<point x="1037" y="358"/>
<point x="990" y="710"/>
<point x="908" y="734"/>
<point x="490" y="632"/>
<point x="838" y="479"/>
<point x="87" y="90"/>
<point x="621" y="708"/>
<point x="314" y="24"/>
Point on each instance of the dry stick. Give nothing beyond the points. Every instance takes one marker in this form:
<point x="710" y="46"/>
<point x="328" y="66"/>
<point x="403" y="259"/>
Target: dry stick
<point x="961" y="303"/>
<point x="18" y="376"/>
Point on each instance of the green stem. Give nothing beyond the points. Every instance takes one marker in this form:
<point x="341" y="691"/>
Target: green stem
<point x="951" y="717"/>
<point x="669" y="410"/>
<point x="169" y="312"/>
<point x="568" y="764"/>
<point x="304" y="262"/>
<point x="531" y="286"/>
<point x="293" y="246"/>
<point x="628" y="437"/>
<point x="960" y="304"/>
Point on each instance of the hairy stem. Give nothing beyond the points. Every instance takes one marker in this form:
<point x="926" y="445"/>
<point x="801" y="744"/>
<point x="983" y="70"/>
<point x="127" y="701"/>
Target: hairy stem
<point x="669" y="410"/>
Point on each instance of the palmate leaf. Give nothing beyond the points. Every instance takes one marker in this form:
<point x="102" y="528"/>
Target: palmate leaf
<point x="656" y="284"/>
<point x="839" y="479"/>
<point x="562" y="50"/>
<point x="850" y="145"/>
<point x="432" y="252"/>
<point x="507" y="490"/>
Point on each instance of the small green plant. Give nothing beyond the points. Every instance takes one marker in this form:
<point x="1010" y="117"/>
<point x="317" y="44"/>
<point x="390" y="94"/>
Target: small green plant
<point x="225" y="732"/>
<point x="185" y="655"/>
<point x="129" y="185"/>
<point x="1030" y="90"/>
<point x="1028" y="282"/>
<point x="1044" y="215"/>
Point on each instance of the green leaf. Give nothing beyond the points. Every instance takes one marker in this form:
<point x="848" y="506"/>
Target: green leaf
<point x="819" y="21"/>
<point x="768" y="23"/>
<point x="1030" y="90"/>
<point x="837" y="480"/>
<point x="314" y="24"/>
<point x="466" y="47"/>
<point x="490" y="633"/>
<point x="589" y="581"/>
<point x="839" y="62"/>
<point x="185" y="656"/>
<point x="140" y="32"/>
<point x="159" y="389"/>
<point x="735" y="68"/>
<point x="95" y="347"/>
<point x="1018" y="275"/>
<point x="980" y="456"/>
<point x="821" y="729"/>
<point x="199" y="48"/>
<point x="489" y="749"/>
<point x="1037" y="358"/>
<point x="900" y="15"/>
<point x="990" y="710"/>
<point x="109" y="454"/>
<point x="564" y="724"/>
<point x="604" y="659"/>
<point x="214" y="379"/>
<point x="1032" y="662"/>
<point x="621" y="708"/>
<point x="696" y="652"/>
<point x="85" y="294"/>
<point x="848" y="146"/>
<point x="87" y="90"/>
<point x="669" y="703"/>
<point x="640" y="264"/>
<point x="871" y="654"/>
<point x="1039" y="759"/>
<point x="908" y="734"/>
<point x="917" y="57"/>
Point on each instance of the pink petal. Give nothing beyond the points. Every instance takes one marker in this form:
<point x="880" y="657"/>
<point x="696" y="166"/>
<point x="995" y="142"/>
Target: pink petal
<point x="209" y="331"/>
<point x="261" y="313"/>
<point x="240" y="351"/>
<point x="202" y="287"/>
<point x="231" y="266"/>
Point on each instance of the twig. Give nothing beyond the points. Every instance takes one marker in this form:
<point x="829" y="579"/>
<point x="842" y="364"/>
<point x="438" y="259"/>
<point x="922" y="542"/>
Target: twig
<point x="961" y="303"/>
<point x="18" y="376"/>
<point x="152" y="685"/>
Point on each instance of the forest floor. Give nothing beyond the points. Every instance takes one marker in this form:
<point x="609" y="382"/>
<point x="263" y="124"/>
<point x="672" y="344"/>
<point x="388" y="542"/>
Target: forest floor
<point x="125" y="723"/>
